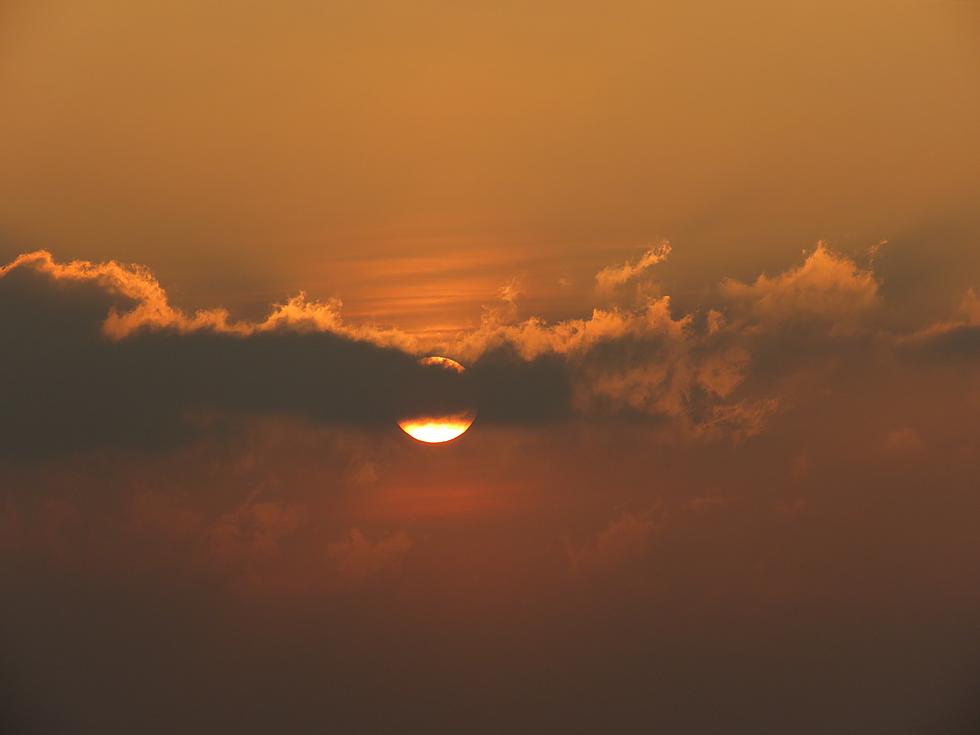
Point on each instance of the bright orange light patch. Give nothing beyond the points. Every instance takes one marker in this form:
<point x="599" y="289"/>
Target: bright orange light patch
<point x="436" y="429"/>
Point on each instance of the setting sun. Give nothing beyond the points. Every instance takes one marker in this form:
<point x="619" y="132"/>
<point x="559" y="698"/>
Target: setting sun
<point x="435" y="429"/>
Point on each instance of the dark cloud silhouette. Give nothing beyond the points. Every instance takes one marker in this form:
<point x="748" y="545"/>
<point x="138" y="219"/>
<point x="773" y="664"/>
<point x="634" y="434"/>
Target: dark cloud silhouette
<point x="511" y="389"/>
<point x="70" y="382"/>
<point x="68" y="386"/>
<point x="96" y="355"/>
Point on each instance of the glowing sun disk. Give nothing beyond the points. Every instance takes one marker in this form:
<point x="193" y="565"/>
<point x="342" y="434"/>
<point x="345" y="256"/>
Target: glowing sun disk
<point x="436" y="429"/>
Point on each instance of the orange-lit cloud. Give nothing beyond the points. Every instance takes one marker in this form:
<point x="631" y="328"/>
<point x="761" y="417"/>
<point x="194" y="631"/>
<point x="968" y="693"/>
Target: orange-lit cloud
<point x="148" y="307"/>
<point x="612" y="277"/>
<point x="828" y="290"/>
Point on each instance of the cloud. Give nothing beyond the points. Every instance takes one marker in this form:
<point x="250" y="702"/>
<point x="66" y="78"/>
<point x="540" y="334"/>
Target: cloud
<point x="147" y="306"/>
<point x="356" y="557"/>
<point x="96" y="354"/>
<point x="957" y="336"/>
<point x="612" y="277"/>
<point x="253" y="531"/>
<point x="751" y="350"/>
<point x="624" y="540"/>
<point x="640" y="361"/>
<point x="828" y="293"/>
<point x="505" y="309"/>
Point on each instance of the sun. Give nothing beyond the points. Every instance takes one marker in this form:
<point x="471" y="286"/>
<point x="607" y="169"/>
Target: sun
<point x="441" y="428"/>
<point x="437" y="429"/>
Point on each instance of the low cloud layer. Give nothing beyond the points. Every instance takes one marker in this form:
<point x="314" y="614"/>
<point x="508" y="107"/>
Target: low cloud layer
<point x="97" y="354"/>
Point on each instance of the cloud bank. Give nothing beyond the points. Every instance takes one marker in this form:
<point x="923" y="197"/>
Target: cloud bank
<point x="96" y="353"/>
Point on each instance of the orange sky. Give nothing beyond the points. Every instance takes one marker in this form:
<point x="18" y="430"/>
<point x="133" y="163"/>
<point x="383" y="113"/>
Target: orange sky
<point x="412" y="159"/>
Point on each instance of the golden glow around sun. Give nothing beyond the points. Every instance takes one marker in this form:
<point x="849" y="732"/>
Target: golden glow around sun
<point x="438" y="429"/>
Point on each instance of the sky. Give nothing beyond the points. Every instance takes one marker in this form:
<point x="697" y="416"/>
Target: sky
<point x="713" y="273"/>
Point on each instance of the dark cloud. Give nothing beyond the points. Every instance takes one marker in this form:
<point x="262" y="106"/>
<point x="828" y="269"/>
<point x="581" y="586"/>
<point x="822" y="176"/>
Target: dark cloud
<point x="511" y="389"/>
<point x="96" y="354"/>
<point x="71" y="382"/>
<point x="69" y="386"/>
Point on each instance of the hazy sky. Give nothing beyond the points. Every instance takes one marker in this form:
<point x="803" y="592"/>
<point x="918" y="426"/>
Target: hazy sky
<point x="248" y="151"/>
<point x="713" y="270"/>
